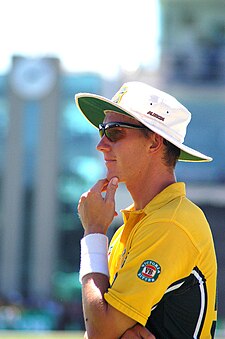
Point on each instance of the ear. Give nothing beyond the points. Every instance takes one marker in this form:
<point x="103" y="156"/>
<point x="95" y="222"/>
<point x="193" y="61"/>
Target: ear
<point x="156" y="143"/>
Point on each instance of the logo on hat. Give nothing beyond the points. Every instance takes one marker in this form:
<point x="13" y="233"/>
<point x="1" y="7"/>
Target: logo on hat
<point x="118" y="96"/>
<point x="149" y="271"/>
<point x="157" y="116"/>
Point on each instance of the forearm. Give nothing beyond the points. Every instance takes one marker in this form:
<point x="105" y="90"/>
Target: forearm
<point x="95" y="282"/>
<point x="95" y="307"/>
<point x="96" y="214"/>
<point x="99" y="316"/>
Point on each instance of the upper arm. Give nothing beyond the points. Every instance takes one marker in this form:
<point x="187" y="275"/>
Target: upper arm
<point x="119" y="322"/>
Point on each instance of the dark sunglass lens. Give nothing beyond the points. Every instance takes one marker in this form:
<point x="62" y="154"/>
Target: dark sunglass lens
<point x="101" y="132"/>
<point x="112" y="131"/>
<point x="114" y="134"/>
<point x="109" y="133"/>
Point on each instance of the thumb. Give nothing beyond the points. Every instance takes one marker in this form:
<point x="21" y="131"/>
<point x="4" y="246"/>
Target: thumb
<point x="111" y="189"/>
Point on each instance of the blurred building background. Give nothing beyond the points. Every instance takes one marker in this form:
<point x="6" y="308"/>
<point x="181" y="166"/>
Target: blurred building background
<point x="48" y="159"/>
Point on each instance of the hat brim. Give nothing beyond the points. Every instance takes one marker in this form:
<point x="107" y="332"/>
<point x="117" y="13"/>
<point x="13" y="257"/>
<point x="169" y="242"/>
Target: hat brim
<point x="94" y="106"/>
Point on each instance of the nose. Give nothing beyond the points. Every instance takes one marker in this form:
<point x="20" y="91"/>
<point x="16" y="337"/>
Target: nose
<point x="103" y="145"/>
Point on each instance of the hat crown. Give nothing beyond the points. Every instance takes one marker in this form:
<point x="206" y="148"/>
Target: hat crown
<point x="154" y="108"/>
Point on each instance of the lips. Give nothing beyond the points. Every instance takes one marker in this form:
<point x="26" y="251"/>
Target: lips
<point x="109" y="159"/>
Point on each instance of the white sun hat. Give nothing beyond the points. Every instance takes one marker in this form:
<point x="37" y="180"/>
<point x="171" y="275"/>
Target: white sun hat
<point x="157" y="110"/>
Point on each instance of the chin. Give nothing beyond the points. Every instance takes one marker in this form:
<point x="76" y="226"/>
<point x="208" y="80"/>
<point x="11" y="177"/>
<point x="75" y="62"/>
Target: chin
<point x="112" y="176"/>
<point x="109" y="176"/>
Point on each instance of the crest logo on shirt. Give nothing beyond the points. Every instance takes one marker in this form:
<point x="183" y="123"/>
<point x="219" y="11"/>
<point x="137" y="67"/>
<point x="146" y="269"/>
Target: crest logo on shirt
<point x="149" y="271"/>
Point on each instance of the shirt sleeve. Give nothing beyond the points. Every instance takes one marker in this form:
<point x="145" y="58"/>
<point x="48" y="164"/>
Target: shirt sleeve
<point x="160" y="254"/>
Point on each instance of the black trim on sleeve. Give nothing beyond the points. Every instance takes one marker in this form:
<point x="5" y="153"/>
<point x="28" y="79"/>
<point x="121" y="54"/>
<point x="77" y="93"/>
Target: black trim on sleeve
<point x="181" y="312"/>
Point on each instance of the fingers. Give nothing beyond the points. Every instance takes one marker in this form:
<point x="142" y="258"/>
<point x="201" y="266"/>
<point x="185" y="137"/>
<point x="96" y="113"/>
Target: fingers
<point x="111" y="190"/>
<point x="96" y="211"/>
<point x="103" y="184"/>
<point x="100" y="186"/>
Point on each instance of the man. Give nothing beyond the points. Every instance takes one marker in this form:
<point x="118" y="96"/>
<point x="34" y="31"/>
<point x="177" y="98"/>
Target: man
<point x="159" y="280"/>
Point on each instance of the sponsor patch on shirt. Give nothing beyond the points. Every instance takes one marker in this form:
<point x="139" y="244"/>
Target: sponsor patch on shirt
<point x="149" y="271"/>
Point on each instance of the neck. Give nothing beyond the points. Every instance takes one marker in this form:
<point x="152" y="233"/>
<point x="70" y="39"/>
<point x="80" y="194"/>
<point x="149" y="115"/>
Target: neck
<point x="143" y="191"/>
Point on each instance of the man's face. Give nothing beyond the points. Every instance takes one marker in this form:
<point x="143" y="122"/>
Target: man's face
<point x="127" y="157"/>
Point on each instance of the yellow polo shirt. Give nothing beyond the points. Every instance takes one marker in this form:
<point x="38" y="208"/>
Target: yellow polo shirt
<point x="163" y="267"/>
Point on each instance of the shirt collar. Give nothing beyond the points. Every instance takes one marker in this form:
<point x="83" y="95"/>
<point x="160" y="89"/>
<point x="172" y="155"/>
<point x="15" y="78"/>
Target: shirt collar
<point x="168" y="194"/>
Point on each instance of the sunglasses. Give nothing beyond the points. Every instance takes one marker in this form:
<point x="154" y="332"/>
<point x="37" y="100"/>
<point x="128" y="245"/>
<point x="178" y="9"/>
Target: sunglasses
<point x="114" y="130"/>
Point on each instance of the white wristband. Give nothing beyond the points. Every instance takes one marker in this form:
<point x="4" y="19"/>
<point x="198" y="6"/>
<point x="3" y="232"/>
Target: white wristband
<point x="94" y="258"/>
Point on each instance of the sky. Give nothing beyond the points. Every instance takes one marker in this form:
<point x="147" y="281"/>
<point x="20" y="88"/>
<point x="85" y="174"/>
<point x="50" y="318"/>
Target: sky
<point x="103" y="36"/>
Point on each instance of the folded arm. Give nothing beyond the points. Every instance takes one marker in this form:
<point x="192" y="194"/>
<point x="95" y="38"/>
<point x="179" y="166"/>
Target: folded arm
<point x="101" y="319"/>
